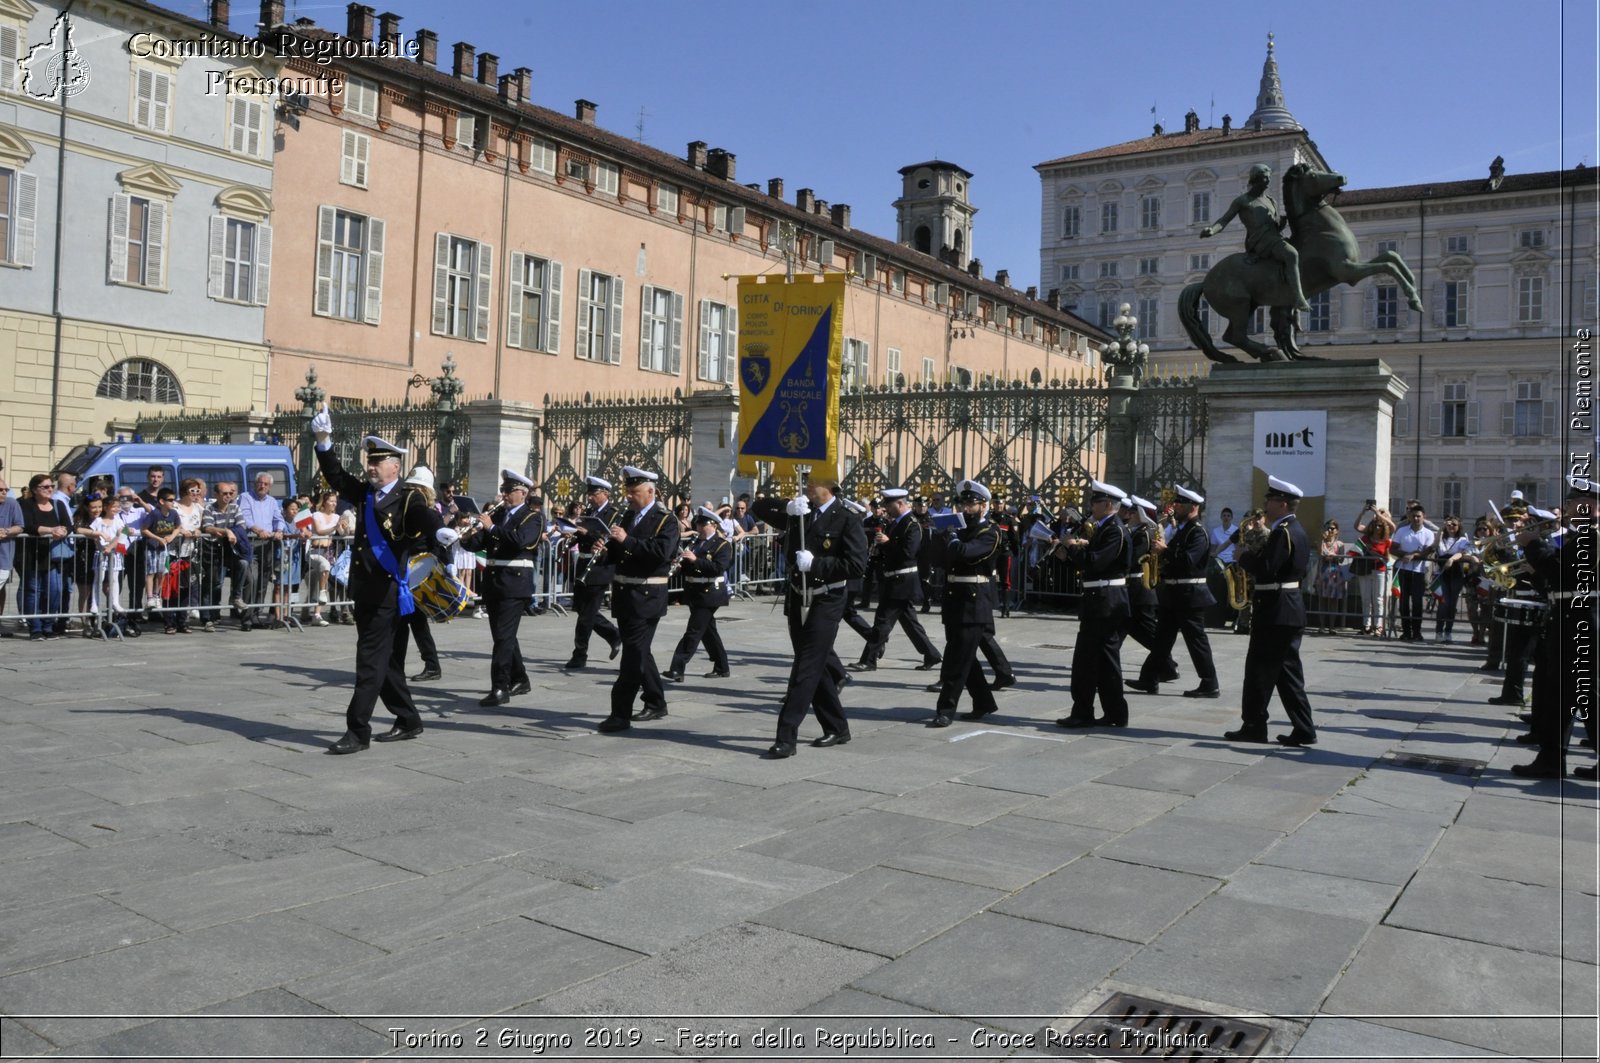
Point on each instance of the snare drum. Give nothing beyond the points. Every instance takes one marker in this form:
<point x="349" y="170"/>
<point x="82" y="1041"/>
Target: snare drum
<point x="434" y="590"/>
<point x="1520" y="612"/>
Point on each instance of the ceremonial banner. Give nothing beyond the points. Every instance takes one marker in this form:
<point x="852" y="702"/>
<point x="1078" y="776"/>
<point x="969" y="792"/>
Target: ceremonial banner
<point x="791" y="337"/>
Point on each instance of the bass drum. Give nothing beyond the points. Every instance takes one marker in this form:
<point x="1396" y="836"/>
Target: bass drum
<point x="1520" y="612"/>
<point x="434" y="590"/>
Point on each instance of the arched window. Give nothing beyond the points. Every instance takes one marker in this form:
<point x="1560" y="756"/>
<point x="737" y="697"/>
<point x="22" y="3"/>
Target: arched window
<point x="140" y="380"/>
<point x="922" y="240"/>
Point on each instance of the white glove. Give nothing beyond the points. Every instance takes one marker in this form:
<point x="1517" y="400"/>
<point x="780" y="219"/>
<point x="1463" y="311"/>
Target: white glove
<point x="798" y="506"/>
<point x="447" y="536"/>
<point x="803" y="558"/>
<point x="322" y="424"/>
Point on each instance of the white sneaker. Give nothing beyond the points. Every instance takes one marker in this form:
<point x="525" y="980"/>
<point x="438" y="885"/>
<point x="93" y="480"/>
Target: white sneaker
<point x="318" y="621"/>
<point x="153" y="602"/>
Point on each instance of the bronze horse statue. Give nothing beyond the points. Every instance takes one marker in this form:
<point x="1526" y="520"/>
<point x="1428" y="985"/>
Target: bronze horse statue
<point x="1329" y="256"/>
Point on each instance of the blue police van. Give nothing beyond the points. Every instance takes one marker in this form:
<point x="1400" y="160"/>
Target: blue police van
<point x="128" y="464"/>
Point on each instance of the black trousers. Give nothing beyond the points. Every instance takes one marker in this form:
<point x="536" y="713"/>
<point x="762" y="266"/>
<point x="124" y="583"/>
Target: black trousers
<point x="812" y="681"/>
<point x="1191" y="624"/>
<point x="380" y="662"/>
<point x="856" y="621"/>
<point x="506" y="669"/>
<point x="961" y="669"/>
<point x="889" y="614"/>
<point x="702" y="627"/>
<point x="216" y="564"/>
<point x="1273" y="663"/>
<point x="638" y="668"/>
<point x="1556" y="690"/>
<point x="586" y="602"/>
<point x="1412" y="584"/>
<point x="1097" y="669"/>
<point x="999" y="664"/>
<point x="416" y="626"/>
<point x="1520" y="645"/>
<point x="1142" y="619"/>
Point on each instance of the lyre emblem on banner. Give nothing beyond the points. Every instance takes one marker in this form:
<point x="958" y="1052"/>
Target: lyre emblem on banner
<point x="755" y="368"/>
<point x="794" y="435"/>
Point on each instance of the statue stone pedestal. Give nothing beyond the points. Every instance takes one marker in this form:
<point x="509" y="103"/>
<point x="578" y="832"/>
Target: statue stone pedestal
<point x="503" y="434"/>
<point x="1323" y="426"/>
<point x="714" y="434"/>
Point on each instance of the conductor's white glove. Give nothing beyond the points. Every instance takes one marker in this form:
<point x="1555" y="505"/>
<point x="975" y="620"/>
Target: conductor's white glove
<point x="802" y="559"/>
<point x="447" y="536"/>
<point x="798" y="506"/>
<point x="322" y="424"/>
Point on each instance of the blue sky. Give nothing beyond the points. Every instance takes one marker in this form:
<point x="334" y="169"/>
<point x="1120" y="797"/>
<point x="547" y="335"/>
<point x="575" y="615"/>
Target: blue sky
<point x="837" y="95"/>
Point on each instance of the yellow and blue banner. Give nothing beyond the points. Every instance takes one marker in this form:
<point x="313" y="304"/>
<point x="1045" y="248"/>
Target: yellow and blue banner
<point x="791" y="339"/>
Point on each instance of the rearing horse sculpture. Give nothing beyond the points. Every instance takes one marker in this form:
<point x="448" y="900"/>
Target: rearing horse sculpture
<point x="1329" y="256"/>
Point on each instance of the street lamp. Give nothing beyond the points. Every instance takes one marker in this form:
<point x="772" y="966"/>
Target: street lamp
<point x="1125" y="356"/>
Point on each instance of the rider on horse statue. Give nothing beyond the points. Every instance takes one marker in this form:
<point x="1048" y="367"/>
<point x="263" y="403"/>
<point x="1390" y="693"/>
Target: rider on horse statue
<point x="1258" y="213"/>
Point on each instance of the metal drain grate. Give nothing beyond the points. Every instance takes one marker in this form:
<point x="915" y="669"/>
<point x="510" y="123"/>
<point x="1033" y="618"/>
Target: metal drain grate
<point x="1442" y="765"/>
<point x="1133" y="1027"/>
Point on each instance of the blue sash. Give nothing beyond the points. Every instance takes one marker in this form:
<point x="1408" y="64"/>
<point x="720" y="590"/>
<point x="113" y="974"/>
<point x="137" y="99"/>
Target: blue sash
<point x="385" y="555"/>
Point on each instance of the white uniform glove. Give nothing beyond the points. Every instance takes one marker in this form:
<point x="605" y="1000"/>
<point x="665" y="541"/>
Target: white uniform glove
<point x="798" y="506"/>
<point x="447" y="536"/>
<point x="322" y="424"/>
<point x="803" y="558"/>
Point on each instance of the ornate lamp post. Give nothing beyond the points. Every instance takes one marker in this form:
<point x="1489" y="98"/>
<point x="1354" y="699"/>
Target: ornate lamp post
<point x="1125" y="359"/>
<point x="1125" y="356"/>
<point x="309" y="394"/>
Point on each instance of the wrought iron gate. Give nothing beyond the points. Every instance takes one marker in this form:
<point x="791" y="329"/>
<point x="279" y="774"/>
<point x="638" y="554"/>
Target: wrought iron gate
<point x="597" y="437"/>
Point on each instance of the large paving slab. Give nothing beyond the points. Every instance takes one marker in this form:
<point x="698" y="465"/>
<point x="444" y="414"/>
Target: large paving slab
<point x="1199" y="846"/>
<point x="1456" y="903"/>
<point x="880" y="910"/>
<point x="1374" y="848"/>
<point x="1110" y="897"/>
<point x="1005" y="853"/>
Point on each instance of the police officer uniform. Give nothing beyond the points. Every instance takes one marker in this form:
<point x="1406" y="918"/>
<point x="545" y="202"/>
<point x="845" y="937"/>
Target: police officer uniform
<point x="510" y="544"/>
<point x="642" y="559"/>
<point x="852" y="615"/>
<point x="971" y="553"/>
<point x="1278" y="618"/>
<point x="416" y="626"/>
<point x="705" y="590"/>
<point x="900" y="590"/>
<point x="406" y="525"/>
<point x="1561" y="678"/>
<point x="1184" y="598"/>
<point x="591" y="578"/>
<point x="825" y="548"/>
<point x="1141" y="599"/>
<point x="1102" y="617"/>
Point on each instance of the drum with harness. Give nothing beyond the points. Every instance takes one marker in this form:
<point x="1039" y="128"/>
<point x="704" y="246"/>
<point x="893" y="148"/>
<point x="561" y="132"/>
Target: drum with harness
<point x="437" y="593"/>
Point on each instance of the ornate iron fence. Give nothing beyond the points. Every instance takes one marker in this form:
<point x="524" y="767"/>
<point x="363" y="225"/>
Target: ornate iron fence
<point x="597" y="437"/>
<point x="1172" y="435"/>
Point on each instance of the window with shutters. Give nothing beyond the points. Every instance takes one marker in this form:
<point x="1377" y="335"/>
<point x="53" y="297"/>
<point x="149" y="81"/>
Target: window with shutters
<point x="1458" y="245"/>
<point x="533" y="318"/>
<point x="1527" y="410"/>
<point x="1199" y="262"/>
<point x="8" y="213"/>
<point x="660" y="330"/>
<point x="1149" y="267"/>
<point x="1108" y="269"/>
<point x="1149" y="316"/>
<point x="1108" y="217"/>
<point x="247" y="119"/>
<point x="459" y="271"/>
<point x="927" y="371"/>
<point x="1070" y="271"/>
<point x="1384" y="246"/>
<point x="349" y="282"/>
<point x="667" y="198"/>
<point x="152" y="99"/>
<point x="891" y="363"/>
<point x="719" y="334"/>
<point x="1453" y="307"/>
<point x="1108" y="312"/>
<point x="462" y="276"/>
<point x="1200" y="208"/>
<point x="599" y="317"/>
<point x="1451" y="493"/>
<point x="138" y="240"/>
<point x="1386" y="307"/>
<point x="1530" y="238"/>
<point x="1150" y="213"/>
<point x="1400" y="423"/>
<point x="237" y="262"/>
<point x="853" y="374"/>
<point x="1530" y="300"/>
<point x="578" y="169"/>
<point x="607" y="175"/>
<point x="1071" y="222"/>
<point x="361" y="96"/>
<point x="19" y="209"/>
<point x="1453" y="410"/>
<point x="542" y="156"/>
<point x="1320" y="319"/>
<point x="354" y="158"/>
<point x="140" y="380"/>
<point x="11" y="52"/>
<point x="472" y="131"/>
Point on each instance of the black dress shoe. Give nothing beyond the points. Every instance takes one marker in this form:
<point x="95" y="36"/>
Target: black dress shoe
<point x="612" y="724"/>
<point x="672" y="676"/>
<point x="1295" y="738"/>
<point x="1501" y="699"/>
<point x="1111" y="721"/>
<point x="348" y="744"/>
<point x="427" y="674"/>
<point x="493" y="698"/>
<point x="400" y="734"/>
<point x="780" y="750"/>
<point x="1246" y="734"/>
<point x="1528" y="739"/>
<point x="1537" y="770"/>
<point x="718" y="673"/>
<point x="1203" y="692"/>
<point x="575" y="664"/>
<point x="523" y="687"/>
<point x="1170" y="677"/>
<point x="934" y="688"/>
<point x="1587" y="771"/>
<point x="844" y="681"/>
<point x="978" y="714"/>
<point x="941" y="720"/>
<point x="647" y="714"/>
<point x="1141" y="686"/>
<point x="616" y="648"/>
<point x="928" y="666"/>
<point x="1074" y="722"/>
<point x="831" y="740"/>
<point x="1003" y="681"/>
<point x="862" y="666"/>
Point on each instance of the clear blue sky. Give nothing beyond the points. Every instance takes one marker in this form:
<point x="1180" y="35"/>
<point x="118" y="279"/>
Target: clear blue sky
<point x="837" y="95"/>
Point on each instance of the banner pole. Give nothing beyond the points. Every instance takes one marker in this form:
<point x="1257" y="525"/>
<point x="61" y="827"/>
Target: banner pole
<point x="802" y="472"/>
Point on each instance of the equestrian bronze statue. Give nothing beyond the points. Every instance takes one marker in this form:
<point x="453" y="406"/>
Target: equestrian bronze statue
<point x="1321" y="252"/>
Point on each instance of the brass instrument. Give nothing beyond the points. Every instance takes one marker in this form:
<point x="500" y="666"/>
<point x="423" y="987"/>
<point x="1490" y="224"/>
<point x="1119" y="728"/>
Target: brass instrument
<point x="1251" y="537"/>
<point x="1150" y="563"/>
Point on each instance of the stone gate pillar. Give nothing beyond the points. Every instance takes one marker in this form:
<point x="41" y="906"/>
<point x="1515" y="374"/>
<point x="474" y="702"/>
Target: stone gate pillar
<point x="503" y="433"/>
<point x="713" y="437"/>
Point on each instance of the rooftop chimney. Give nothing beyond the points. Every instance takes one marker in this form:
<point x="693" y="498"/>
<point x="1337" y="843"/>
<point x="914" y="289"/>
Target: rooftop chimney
<point x="359" y="22"/>
<point x="975" y="268"/>
<point x="1054" y="299"/>
<point x="1002" y="277"/>
<point x="271" y="14"/>
<point x="465" y="53"/>
<point x="1033" y="292"/>
<point x="1227" y="124"/>
<point x="805" y="199"/>
<point x="488" y="68"/>
<point x="428" y="48"/>
<point x="821" y="207"/>
<point x="841" y="215"/>
<point x="507" y="84"/>
<point x="389" y="32"/>
<point x="1159" y="130"/>
<point x="1191" y="122"/>
<point x="775" y="187"/>
<point x="585" y="110"/>
<point x="720" y="163"/>
<point x="219" y="13"/>
<point x="696" y="154"/>
<point x="524" y="77"/>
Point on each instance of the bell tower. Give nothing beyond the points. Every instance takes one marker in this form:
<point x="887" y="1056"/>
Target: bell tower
<point x="934" y="211"/>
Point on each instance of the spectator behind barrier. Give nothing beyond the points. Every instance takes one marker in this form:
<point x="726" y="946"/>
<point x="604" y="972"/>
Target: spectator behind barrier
<point x="10" y="529"/>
